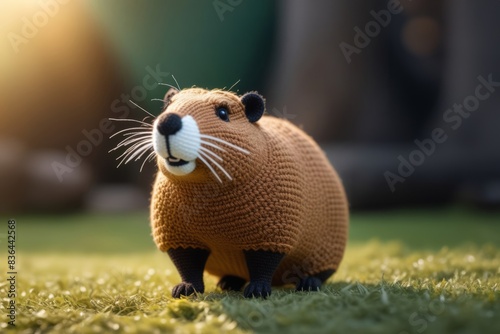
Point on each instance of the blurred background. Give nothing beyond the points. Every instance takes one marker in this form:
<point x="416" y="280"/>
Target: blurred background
<point x="403" y="96"/>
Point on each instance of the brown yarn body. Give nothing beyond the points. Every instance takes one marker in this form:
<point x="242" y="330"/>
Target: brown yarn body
<point x="287" y="198"/>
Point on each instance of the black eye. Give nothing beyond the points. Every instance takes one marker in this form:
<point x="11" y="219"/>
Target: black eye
<point x="222" y="113"/>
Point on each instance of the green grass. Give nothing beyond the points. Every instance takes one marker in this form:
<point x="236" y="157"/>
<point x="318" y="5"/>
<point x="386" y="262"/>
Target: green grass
<point x="404" y="272"/>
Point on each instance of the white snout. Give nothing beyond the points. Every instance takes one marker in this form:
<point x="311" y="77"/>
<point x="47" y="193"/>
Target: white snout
<point x="181" y="149"/>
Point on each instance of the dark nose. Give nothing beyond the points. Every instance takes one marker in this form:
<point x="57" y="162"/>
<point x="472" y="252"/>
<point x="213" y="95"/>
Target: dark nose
<point x="170" y="124"/>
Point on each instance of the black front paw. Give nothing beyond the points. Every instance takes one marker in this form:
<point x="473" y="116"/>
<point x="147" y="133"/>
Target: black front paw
<point x="257" y="289"/>
<point x="186" y="289"/>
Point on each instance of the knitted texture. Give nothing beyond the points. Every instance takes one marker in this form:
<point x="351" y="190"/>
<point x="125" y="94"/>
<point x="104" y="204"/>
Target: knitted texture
<point x="285" y="196"/>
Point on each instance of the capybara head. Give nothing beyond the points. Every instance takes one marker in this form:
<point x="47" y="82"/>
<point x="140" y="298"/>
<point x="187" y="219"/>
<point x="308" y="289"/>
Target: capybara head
<point x="204" y="135"/>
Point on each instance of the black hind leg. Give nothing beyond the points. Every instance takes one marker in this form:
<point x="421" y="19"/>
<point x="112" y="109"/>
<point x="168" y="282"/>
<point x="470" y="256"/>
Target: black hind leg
<point x="313" y="283"/>
<point x="231" y="283"/>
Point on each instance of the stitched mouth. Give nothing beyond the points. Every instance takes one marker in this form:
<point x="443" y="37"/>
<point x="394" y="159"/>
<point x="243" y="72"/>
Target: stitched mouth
<point x="176" y="162"/>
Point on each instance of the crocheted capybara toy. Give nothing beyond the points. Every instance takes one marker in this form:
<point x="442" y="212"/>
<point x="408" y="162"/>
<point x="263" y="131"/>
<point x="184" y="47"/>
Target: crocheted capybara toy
<point x="246" y="198"/>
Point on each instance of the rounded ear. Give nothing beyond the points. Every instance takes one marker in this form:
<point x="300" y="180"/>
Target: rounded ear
<point x="255" y="106"/>
<point x="168" y="96"/>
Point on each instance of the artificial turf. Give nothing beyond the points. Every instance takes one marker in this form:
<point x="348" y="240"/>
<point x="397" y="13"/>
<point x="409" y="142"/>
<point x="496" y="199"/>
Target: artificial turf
<point x="432" y="271"/>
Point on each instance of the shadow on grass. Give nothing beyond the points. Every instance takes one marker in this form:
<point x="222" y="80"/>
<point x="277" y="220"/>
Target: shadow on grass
<point x="349" y="307"/>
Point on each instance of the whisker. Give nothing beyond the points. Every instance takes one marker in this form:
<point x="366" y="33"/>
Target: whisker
<point x="138" y="106"/>
<point x="210" y="167"/>
<point x="146" y="159"/>
<point x="130" y="120"/>
<point x="213" y="145"/>
<point x="206" y="150"/>
<point x="123" y="160"/>
<point x="121" y="131"/>
<point x="130" y="134"/>
<point x="225" y="142"/>
<point x="237" y="82"/>
<point x="176" y="82"/>
<point x="137" y="134"/>
<point x="143" y="154"/>
<point x="131" y="149"/>
<point x="129" y="141"/>
<point x="161" y="100"/>
<point x="217" y="165"/>
<point x="166" y="84"/>
<point x="132" y="154"/>
<point x="143" y="151"/>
